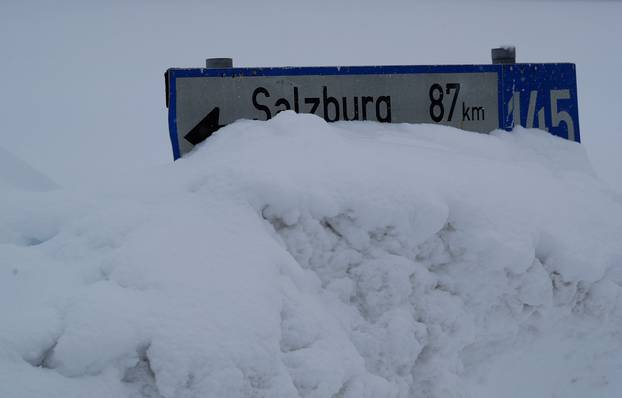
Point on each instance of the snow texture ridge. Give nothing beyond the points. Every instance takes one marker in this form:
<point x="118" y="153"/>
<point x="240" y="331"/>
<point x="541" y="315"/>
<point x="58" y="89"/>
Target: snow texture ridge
<point x="293" y="258"/>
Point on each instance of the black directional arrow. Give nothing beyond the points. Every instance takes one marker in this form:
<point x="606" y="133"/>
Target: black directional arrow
<point x="205" y="127"/>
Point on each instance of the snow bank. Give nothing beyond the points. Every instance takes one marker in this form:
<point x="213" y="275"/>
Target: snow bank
<point x="17" y="174"/>
<point x="293" y="258"/>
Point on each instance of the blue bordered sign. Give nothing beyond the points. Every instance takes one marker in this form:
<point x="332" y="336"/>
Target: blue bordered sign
<point x="477" y="98"/>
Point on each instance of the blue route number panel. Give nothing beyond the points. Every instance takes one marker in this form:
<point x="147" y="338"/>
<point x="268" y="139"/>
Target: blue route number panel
<point x="541" y="96"/>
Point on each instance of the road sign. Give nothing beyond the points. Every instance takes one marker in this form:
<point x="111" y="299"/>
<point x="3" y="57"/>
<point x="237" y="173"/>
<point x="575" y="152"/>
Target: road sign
<point x="477" y="98"/>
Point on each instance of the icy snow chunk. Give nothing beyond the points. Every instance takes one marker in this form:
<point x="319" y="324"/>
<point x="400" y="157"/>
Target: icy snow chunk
<point x="535" y="287"/>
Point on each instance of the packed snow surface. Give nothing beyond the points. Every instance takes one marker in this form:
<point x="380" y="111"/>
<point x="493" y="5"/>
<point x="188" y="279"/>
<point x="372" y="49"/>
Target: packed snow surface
<point x="293" y="258"/>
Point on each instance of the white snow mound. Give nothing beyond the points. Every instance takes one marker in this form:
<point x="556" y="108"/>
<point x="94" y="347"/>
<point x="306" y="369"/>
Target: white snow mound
<point x="15" y="174"/>
<point x="296" y="258"/>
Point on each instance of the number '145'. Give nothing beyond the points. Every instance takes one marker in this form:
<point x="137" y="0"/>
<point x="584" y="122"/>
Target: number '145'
<point x="557" y="116"/>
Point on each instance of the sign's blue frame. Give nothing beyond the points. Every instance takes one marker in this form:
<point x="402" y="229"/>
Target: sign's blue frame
<point x="517" y="83"/>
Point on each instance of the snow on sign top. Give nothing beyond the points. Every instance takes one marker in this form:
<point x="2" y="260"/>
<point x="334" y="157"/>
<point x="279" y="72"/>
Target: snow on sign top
<point x="477" y="98"/>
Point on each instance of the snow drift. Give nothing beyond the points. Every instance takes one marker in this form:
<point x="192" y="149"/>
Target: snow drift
<point x="293" y="258"/>
<point x="17" y="174"/>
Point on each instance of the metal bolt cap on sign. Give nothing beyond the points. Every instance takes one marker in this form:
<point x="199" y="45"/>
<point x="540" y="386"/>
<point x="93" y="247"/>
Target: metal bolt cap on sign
<point x="503" y="55"/>
<point x="219" y="63"/>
